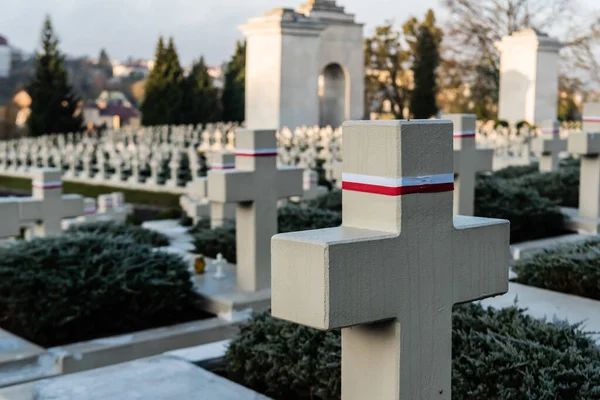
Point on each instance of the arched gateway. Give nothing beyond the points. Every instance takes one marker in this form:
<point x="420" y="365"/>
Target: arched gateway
<point x="304" y="67"/>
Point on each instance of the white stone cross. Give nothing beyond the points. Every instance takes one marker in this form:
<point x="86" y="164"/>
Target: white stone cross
<point x="255" y="185"/>
<point x="219" y="264"/>
<point x="391" y="273"/>
<point x="468" y="160"/>
<point x="587" y="145"/>
<point x="48" y="206"/>
<point x="548" y="145"/>
<point x="9" y="215"/>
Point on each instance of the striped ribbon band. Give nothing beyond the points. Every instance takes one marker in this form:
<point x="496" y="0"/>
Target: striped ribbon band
<point x="591" y="119"/>
<point x="398" y="186"/>
<point x="255" y="152"/>
<point x="46" y="185"/>
<point x="90" y="210"/>
<point x="551" y="130"/>
<point x="223" y="166"/>
<point x="464" y="134"/>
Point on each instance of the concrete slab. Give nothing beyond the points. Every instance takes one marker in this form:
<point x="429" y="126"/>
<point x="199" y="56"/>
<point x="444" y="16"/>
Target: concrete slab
<point x="22" y="361"/>
<point x="580" y="224"/>
<point x="201" y="353"/>
<point x="118" y="349"/>
<point x="541" y="303"/>
<point x="158" y="378"/>
<point x="528" y="249"/>
<point x="222" y="296"/>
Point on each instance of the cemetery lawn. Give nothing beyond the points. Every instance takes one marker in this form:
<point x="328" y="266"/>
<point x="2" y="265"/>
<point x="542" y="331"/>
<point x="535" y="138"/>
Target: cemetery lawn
<point x="497" y="354"/>
<point x="572" y="269"/>
<point x="158" y="199"/>
<point x="82" y="286"/>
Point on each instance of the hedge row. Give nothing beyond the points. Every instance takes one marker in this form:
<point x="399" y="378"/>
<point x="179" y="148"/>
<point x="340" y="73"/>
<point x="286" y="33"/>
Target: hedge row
<point x="135" y="233"/>
<point x="573" y="269"/>
<point x="497" y="354"/>
<point x="291" y="218"/>
<point x="76" y="287"/>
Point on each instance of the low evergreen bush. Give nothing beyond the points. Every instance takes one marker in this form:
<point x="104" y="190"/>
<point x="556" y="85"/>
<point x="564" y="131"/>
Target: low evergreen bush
<point x="331" y="201"/>
<point x="561" y="186"/>
<point x="291" y="218"/>
<point x="497" y="354"/>
<point x="137" y="234"/>
<point x="531" y="216"/>
<point x="573" y="269"/>
<point x="71" y="288"/>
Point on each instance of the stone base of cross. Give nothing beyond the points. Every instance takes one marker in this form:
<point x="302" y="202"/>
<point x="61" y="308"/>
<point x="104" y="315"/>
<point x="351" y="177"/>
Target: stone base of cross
<point x="548" y="146"/>
<point x="389" y="276"/>
<point x="586" y="144"/>
<point x="43" y="213"/>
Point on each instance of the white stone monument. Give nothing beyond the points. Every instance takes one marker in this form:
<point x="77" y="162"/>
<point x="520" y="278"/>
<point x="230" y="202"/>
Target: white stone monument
<point x="304" y="67"/>
<point x="389" y="276"/>
<point x="528" y="77"/>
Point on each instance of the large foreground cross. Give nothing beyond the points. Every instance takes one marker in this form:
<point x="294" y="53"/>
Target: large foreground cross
<point x="391" y="273"/>
<point x="255" y="185"/>
<point x="468" y="160"/>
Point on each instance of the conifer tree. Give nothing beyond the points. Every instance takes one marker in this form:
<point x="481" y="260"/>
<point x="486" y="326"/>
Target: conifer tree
<point x="200" y="98"/>
<point x="426" y="61"/>
<point x="54" y="106"/>
<point x="173" y="88"/>
<point x="105" y="64"/>
<point x="153" y="100"/>
<point x="234" y="90"/>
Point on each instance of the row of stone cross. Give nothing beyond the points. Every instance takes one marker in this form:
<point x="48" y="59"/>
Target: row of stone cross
<point x="48" y="211"/>
<point x="406" y="252"/>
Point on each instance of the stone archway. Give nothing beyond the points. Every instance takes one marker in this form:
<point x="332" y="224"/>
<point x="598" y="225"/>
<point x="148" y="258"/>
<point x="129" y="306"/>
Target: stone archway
<point x="333" y="96"/>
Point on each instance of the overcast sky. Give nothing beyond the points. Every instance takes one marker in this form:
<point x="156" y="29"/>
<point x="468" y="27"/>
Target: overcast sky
<point x="199" y="27"/>
<point x="131" y="27"/>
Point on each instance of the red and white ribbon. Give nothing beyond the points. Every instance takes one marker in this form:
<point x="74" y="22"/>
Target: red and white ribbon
<point x="311" y="180"/>
<point x="222" y="166"/>
<point x="591" y="119"/>
<point x="256" y="152"/>
<point x="464" y="134"/>
<point x="46" y="185"/>
<point x="397" y="186"/>
<point x="89" y="210"/>
<point x="551" y="130"/>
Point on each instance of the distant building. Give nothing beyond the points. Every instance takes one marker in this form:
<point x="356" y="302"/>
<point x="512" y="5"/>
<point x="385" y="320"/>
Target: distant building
<point x="217" y="74"/>
<point x="5" y="58"/>
<point x="135" y="69"/>
<point x="111" y="110"/>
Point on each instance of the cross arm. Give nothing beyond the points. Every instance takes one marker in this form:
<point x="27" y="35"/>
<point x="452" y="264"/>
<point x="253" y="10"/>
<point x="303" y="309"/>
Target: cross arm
<point x="485" y="160"/>
<point x="548" y="143"/>
<point x="330" y="278"/>
<point x="72" y="205"/>
<point x="480" y="251"/>
<point x="231" y="186"/>
<point x="289" y="182"/>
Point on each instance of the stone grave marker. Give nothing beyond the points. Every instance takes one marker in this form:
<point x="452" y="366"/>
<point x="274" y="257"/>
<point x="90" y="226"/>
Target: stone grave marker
<point x="255" y="185"/>
<point x="548" y="146"/>
<point x="9" y="215"/>
<point x="586" y="144"/>
<point x="389" y="276"/>
<point x="468" y="160"/>
<point x="47" y="207"/>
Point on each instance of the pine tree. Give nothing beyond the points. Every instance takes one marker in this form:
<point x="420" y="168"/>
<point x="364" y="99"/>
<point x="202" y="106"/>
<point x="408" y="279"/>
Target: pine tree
<point x="233" y="99"/>
<point x="105" y="64"/>
<point x="173" y="75"/>
<point x="200" y="98"/>
<point x="54" y="106"/>
<point x="426" y="60"/>
<point x="154" y="103"/>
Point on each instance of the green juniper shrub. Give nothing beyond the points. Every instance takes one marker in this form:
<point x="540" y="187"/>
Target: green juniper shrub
<point x="497" y="354"/>
<point x="291" y="218"/>
<point x="531" y="216"/>
<point x="561" y="186"/>
<point x="515" y="171"/>
<point x="71" y="288"/>
<point x="331" y="201"/>
<point x="137" y="234"/>
<point x="573" y="269"/>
